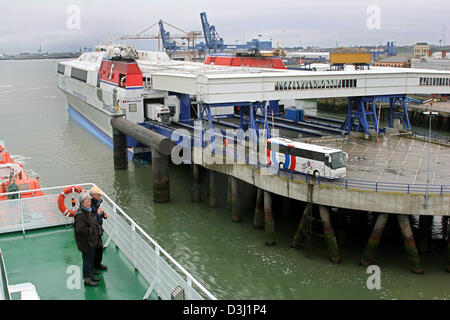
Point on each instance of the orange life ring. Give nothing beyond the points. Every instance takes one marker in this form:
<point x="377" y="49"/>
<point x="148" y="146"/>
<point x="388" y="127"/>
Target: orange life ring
<point x="62" y="196"/>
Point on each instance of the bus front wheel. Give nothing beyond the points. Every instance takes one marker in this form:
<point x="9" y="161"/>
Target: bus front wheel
<point x="281" y="165"/>
<point x="316" y="174"/>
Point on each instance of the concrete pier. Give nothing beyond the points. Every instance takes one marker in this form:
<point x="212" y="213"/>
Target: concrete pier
<point x="410" y="245"/>
<point x="119" y="149"/>
<point x="328" y="232"/>
<point x="369" y="253"/>
<point x="235" y="201"/>
<point x="196" y="196"/>
<point x="229" y="193"/>
<point x="269" y="222"/>
<point x="212" y="189"/>
<point x="258" y="221"/>
<point x="160" y="168"/>
<point x="448" y="248"/>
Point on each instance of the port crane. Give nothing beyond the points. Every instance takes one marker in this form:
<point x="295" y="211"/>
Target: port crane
<point x="169" y="42"/>
<point x="216" y="44"/>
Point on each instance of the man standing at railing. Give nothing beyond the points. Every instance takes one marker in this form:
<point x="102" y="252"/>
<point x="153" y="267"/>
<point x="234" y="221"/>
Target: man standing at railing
<point x="87" y="238"/>
<point x="96" y="194"/>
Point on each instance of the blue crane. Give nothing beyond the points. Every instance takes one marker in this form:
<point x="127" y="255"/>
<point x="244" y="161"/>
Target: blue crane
<point x="215" y="43"/>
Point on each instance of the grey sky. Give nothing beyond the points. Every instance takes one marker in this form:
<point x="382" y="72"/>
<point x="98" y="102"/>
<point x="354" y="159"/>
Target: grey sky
<point x="27" y="24"/>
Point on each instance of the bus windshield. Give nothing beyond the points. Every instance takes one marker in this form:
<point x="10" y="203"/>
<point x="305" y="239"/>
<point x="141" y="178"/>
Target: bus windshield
<point x="337" y="160"/>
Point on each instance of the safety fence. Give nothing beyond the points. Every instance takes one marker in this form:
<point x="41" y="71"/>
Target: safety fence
<point x="162" y="272"/>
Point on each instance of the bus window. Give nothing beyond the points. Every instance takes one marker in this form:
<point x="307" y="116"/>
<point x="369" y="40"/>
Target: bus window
<point x="337" y="160"/>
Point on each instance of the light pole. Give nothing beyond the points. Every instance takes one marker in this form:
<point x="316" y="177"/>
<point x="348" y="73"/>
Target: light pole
<point x="429" y="114"/>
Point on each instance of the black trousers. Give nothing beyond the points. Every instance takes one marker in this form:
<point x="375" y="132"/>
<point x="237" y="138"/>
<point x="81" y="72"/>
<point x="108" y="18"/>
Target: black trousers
<point x="88" y="263"/>
<point x="98" y="256"/>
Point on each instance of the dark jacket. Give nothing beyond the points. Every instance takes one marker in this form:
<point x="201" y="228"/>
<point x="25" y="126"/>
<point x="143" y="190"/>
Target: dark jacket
<point x="86" y="231"/>
<point x="95" y="204"/>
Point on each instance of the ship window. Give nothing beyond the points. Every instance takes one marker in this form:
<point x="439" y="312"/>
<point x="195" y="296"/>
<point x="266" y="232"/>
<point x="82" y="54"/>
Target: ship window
<point x="132" y="107"/>
<point x="79" y="74"/>
<point x="61" y="68"/>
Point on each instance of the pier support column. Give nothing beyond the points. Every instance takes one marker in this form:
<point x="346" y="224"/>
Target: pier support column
<point x="212" y="189"/>
<point x="269" y="222"/>
<point x="119" y="150"/>
<point x="229" y="197"/>
<point x="374" y="240"/>
<point x="302" y="229"/>
<point x="410" y="245"/>
<point x="196" y="186"/>
<point x="328" y="233"/>
<point x="258" y="221"/>
<point x="235" y="201"/>
<point x="342" y="227"/>
<point x="160" y="168"/>
<point x="424" y="233"/>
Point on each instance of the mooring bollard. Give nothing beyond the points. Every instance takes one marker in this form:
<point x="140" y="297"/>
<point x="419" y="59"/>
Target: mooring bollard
<point x="258" y="221"/>
<point x="377" y="232"/>
<point x="119" y="150"/>
<point x="160" y="169"/>
<point x="269" y="222"/>
<point x="328" y="232"/>
<point x="410" y="245"/>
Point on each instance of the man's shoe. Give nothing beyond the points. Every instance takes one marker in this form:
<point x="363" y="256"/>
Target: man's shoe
<point x="102" y="267"/>
<point x="90" y="282"/>
<point x="96" y="272"/>
<point x="95" y="279"/>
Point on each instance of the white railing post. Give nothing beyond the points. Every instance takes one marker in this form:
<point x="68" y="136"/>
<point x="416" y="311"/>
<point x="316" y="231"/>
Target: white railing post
<point x="189" y="287"/>
<point x="133" y="235"/>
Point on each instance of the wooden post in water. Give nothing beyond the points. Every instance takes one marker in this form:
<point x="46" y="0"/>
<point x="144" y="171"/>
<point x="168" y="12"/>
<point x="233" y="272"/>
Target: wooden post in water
<point x="258" y="221"/>
<point x="235" y="201"/>
<point x="119" y="150"/>
<point x="410" y="245"/>
<point x="160" y="169"/>
<point x="269" y="222"/>
<point x="328" y="233"/>
<point x="369" y="253"/>
<point x="196" y="197"/>
<point x="212" y="189"/>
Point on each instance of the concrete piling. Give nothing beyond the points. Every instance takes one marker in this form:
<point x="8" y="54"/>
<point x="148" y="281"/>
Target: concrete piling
<point x="302" y="228"/>
<point x="269" y="222"/>
<point x="160" y="169"/>
<point x="258" y="221"/>
<point x="410" y="245"/>
<point x="369" y="253"/>
<point x="328" y="232"/>
<point x="229" y="193"/>
<point x="212" y="189"/>
<point x="235" y="201"/>
<point x="196" y="196"/>
<point x="119" y="150"/>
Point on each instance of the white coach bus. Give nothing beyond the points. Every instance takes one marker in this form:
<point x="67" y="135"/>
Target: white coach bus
<point x="306" y="158"/>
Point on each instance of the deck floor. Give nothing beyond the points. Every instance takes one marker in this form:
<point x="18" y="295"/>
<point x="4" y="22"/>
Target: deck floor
<point x="43" y="257"/>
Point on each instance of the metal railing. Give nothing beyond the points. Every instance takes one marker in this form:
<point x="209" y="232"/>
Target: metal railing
<point x="162" y="272"/>
<point x="4" y="291"/>
<point x="423" y="134"/>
